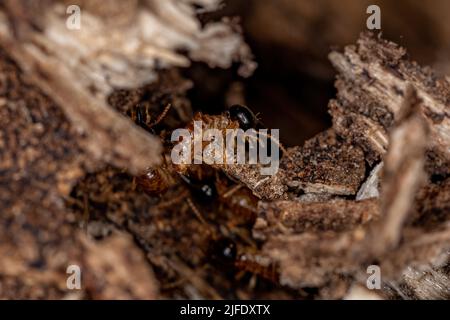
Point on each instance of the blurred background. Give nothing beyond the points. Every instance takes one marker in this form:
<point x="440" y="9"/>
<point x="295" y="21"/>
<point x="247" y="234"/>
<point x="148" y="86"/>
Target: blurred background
<point x="291" y="40"/>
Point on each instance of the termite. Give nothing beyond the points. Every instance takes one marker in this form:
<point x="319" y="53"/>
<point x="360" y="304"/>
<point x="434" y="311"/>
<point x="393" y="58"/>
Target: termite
<point x="241" y="202"/>
<point x="204" y="190"/>
<point x="224" y="250"/>
<point x="236" y="117"/>
<point x="157" y="180"/>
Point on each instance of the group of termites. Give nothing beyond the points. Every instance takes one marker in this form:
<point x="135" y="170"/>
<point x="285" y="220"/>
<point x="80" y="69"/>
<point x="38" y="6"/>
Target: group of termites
<point x="203" y="191"/>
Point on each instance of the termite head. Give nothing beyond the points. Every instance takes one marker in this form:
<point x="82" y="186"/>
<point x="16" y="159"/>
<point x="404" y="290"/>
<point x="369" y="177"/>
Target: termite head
<point x="224" y="250"/>
<point x="243" y="115"/>
<point x="204" y="191"/>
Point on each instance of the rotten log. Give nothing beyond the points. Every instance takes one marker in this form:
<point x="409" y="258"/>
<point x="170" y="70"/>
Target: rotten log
<point x="308" y="257"/>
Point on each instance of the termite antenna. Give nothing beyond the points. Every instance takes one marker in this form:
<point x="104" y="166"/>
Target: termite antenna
<point x="258" y="117"/>
<point x="162" y="115"/>
<point x="184" y="178"/>
<point x="278" y="143"/>
<point x="172" y="201"/>
<point x="232" y="190"/>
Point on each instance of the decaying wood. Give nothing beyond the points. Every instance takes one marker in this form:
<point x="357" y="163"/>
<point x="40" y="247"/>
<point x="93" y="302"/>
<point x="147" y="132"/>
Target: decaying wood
<point x="369" y="189"/>
<point x="41" y="160"/>
<point x="264" y="186"/>
<point x="290" y="217"/>
<point x="100" y="55"/>
<point x="107" y="136"/>
<point x="325" y="164"/>
<point x="375" y="77"/>
<point x="118" y="270"/>
<point x="56" y="127"/>
<point x="402" y="174"/>
<point x="429" y="283"/>
<point x="380" y="79"/>
<point x="373" y="189"/>
<point x="432" y="205"/>
<point x="80" y="68"/>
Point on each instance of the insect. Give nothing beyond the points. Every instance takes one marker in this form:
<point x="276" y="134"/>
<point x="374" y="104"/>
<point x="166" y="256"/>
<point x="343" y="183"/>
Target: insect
<point x="157" y="180"/>
<point x="206" y="187"/>
<point x="204" y="191"/>
<point x="224" y="250"/>
<point x="251" y="156"/>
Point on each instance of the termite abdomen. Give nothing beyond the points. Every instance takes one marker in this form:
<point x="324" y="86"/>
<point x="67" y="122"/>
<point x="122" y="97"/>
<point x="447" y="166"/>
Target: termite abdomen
<point x="154" y="181"/>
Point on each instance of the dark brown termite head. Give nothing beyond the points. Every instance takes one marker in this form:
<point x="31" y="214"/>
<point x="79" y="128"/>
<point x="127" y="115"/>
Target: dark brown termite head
<point x="204" y="191"/>
<point x="243" y="115"/>
<point x="223" y="250"/>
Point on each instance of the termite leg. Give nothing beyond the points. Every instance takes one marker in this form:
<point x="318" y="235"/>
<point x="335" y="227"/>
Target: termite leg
<point x="140" y="119"/>
<point x="173" y="201"/>
<point x="196" y="211"/>
<point x="232" y="190"/>
<point x="133" y="184"/>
